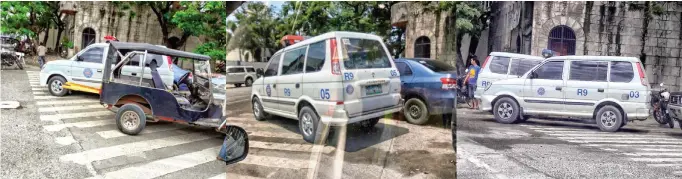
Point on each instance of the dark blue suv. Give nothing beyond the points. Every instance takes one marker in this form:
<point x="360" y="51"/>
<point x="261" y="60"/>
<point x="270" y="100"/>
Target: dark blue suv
<point x="428" y="87"/>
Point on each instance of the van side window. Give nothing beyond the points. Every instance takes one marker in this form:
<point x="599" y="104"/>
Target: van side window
<point x="235" y="70"/>
<point x="293" y="61"/>
<point x="499" y="65"/>
<point x="403" y="69"/>
<point x="317" y="52"/>
<point x="520" y="66"/>
<point x="552" y="70"/>
<point x="273" y="67"/>
<point x="93" y="55"/>
<point x="621" y="72"/>
<point x="250" y="70"/>
<point x="588" y="71"/>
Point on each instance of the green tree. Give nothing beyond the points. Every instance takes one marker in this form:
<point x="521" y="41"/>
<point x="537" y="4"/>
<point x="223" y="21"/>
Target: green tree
<point x="254" y="29"/>
<point x="25" y="18"/>
<point x="205" y="19"/>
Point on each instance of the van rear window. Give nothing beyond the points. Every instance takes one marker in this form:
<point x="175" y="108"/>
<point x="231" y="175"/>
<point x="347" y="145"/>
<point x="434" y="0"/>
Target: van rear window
<point x="520" y="66"/>
<point x="437" y="66"/>
<point x="363" y="54"/>
<point x="621" y="72"/>
<point x="499" y="65"/>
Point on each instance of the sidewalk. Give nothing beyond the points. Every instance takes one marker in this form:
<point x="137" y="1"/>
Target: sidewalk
<point x="33" y="60"/>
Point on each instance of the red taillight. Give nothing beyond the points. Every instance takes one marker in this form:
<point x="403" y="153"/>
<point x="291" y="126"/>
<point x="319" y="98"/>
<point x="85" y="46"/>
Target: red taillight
<point x="641" y="74"/>
<point x="448" y="83"/>
<point x="485" y="62"/>
<point x="170" y="62"/>
<point x="336" y="67"/>
<point x="339" y="103"/>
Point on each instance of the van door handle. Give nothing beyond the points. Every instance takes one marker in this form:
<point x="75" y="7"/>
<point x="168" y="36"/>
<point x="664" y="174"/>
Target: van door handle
<point x="601" y="90"/>
<point x="134" y="74"/>
<point x="558" y="88"/>
<point x="298" y="85"/>
<point x="99" y="71"/>
<point x="274" y="85"/>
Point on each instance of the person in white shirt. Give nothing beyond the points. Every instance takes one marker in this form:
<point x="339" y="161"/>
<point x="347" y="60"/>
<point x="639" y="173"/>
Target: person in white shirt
<point x="41" y="54"/>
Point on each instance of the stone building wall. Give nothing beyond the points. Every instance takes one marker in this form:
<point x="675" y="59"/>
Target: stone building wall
<point x="423" y="23"/>
<point x="617" y="29"/>
<point x="106" y="19"/>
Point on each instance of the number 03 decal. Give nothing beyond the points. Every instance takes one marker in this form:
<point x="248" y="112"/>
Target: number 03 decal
<point x="324" y="94"/>
<point x="634" y="94"/>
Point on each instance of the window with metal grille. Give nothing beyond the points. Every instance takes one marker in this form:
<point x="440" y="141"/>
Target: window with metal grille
<point x="562" y="40"/>
<point x="88" y="37"/>
<point x="422" y="47"/>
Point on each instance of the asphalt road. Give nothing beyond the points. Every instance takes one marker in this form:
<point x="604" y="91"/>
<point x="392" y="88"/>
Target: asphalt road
<point x="75" y="137"/>
<point x="564" y="148"/>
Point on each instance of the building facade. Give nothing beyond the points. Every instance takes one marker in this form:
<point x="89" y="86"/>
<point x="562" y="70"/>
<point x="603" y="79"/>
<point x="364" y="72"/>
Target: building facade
<point x="649" y="31"/>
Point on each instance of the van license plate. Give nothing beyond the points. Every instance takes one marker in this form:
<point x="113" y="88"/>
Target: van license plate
<point x="373" y="89"/>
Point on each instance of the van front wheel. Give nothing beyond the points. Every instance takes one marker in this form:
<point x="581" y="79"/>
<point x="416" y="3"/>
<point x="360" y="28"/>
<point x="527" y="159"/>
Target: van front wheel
<point x="506" y="111"/>
<point x="609" y="119"/>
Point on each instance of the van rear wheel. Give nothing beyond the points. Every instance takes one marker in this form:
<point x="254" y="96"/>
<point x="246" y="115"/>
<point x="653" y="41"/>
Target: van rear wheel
<point x="370" y="123"/>
<point x="308" y="124"/>
<point x="609" y="119"/>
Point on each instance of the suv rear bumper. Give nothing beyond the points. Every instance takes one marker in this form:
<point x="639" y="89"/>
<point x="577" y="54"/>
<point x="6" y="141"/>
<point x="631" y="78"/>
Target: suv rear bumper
<point x="340" y="116"/>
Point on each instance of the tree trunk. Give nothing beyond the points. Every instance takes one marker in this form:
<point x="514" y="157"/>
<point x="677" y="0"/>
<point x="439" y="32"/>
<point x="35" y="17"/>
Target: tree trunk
<point x="460" y="64"/>
<point x="57" y="46"/>
<point x="473" y="44"/>
<point x="47" y="35"/>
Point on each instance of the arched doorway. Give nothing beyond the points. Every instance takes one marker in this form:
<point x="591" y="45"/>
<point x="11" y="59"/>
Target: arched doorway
<point x="422" y="47"/>
<point x="562" y="40"/>
<point x="89" y="37"/>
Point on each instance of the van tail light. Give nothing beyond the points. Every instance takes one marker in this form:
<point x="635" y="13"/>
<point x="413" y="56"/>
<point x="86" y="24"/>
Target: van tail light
<point x="170" y="62"/>
<point x="642" y="78"/>
<point x="336" y="66"/>
<point x="339" y="103"/>
<point x="448" y="83"/>
<point x="485" y="62"/>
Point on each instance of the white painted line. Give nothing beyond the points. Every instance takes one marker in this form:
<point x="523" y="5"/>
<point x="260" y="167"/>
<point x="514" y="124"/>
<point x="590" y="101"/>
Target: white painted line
<point x="84" y="124"/>
<point x="56" y="97"/>
<point x="288" y="135"/>
<point x="39" y="89"/>
<point x="238" y="101"/>
<point x="57" y="117"/>
<point x="591" y="132"/>
<point x="618" y="138"/>
<point x="287" y="147"/>
<point x="40" y="93"/>
<point x="625" y="141"/>
<point x="233" y="175"/>
<point x="607" y="135"/>
<point x="132" y="148"/>
<point x="654" y="154"/>
<point x="657" y="159"/>
<point x="60" y="102"/>
<point x="659" y="150"/>
<point x="147" y="130"/>
<point x="561" y="129"/>
<point x="465" y="155"/>
<point x="677" y="173"/>
<point x="275" y="162"/>
<point x="167" y="165"/>
<point x="630" y="146"/>
<point x="609" y="149"/>
<point x="65" y="140"/>
<point x="70" y="108"/>
<point x="665" y="165"/>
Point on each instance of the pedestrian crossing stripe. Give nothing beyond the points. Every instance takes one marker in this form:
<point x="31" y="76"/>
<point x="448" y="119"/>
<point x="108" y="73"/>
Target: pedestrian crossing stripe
<point x="147" y="130"/>
<point x="57" y="117"/>
<point x="70" y="108"/>
<point x="67" y="101"/>
<point x="83" y="124"/>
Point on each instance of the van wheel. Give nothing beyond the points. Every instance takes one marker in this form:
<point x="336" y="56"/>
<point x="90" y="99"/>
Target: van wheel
<point x="130" y="119"/>
<point x="308" y="124"/>
<point x="506" y="111"/>
<point x="248" y="82"/>
<point x="609" y="119"/>
<point x="55" y="86"/>
<point x="415" y="111"/>
<point x="258" y="112"/>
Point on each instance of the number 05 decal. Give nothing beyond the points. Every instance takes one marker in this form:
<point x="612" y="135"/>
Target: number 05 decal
<point x="324" y="94"/>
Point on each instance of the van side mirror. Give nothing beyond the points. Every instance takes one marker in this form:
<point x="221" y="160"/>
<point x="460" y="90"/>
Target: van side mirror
<point x="533" y="75"/>
<point x="235" y="146"/>
<point x="259" y="72"/>
<point x="79" y="58"/>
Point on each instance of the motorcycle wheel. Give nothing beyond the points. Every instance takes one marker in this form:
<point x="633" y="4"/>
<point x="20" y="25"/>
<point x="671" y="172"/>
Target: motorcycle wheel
<point x="670" y="121"/>
<point x="658" y="116"/>
<point x="21" y="66"/>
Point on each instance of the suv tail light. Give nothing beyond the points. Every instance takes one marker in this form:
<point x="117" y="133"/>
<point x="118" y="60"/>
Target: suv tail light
<point x="448" y="83"/>
<point x="641" y="74"/>
<point x="485" y="62"/>
<point x="336" y="66"/>
<point x="170" y="62"/>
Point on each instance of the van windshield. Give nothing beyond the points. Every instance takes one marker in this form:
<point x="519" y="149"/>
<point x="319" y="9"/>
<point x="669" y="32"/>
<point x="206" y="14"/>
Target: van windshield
<point x="364" y="53"/>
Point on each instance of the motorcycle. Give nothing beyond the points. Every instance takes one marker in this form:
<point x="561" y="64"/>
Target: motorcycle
<point x="659" y="101"/>
<point x="10" y="58"/>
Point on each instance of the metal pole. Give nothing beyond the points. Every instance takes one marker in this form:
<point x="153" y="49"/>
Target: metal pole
<point x="144" y="61"/>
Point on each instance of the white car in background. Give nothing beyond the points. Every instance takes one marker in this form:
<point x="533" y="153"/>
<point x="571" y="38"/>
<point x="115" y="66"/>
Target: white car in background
<point x="238" y="75"/>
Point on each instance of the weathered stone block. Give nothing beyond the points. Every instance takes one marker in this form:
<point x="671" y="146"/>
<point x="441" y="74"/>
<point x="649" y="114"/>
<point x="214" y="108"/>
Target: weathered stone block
<point x="671" y="70"/>
<point x="671" y="80"/>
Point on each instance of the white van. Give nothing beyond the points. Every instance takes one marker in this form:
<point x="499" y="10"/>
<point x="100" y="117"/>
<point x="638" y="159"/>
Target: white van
<point x="238" y="75"/>
<point x="503" y="65"/>
<point x="611" y="90"/>
<point x="335" y="78"/>
<point x="83" y="72"/>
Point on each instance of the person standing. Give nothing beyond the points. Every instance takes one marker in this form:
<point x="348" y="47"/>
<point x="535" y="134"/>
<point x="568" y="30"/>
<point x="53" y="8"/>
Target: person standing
<point x="471" y="80"/>
<point x="41" y="54"/>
